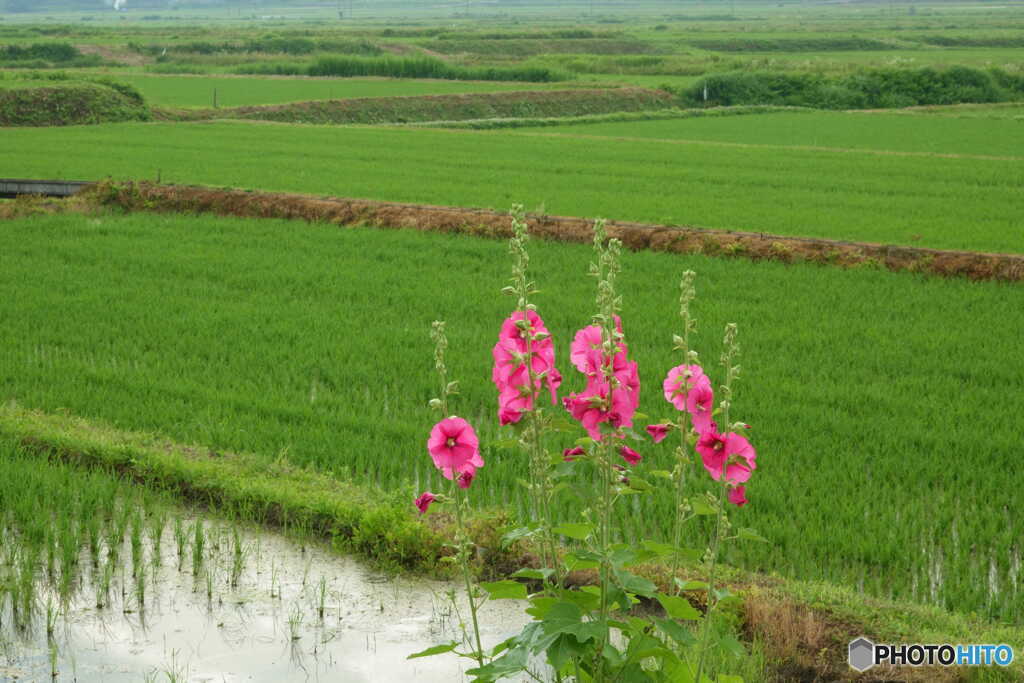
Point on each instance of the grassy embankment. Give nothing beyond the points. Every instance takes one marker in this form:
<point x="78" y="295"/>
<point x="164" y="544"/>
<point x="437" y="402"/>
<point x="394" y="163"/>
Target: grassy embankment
<point x="153" y="323"/>
<point x="70" y="103"/>
<point x="916" y="199"/>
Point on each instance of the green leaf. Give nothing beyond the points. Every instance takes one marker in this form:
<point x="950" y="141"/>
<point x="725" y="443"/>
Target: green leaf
<point x="563" y="649"/>
<point x="676" y="632"/>
<point x="638" y="484"/>
<point x="504" y="590"/>
<point x="701" y="507"/>
<point x="586" y="600"/>
<point x="436" y="650"/>
<point x="563" y="425"/>
<point x="586" y="630"/>
<point x="577" y="530"/>
<point x="539" y="574"/>
<point x="663" y="474"/>
<point x="691" y="585"/>
<point x="659" y="549"/>
<point x="635" y="584"/>
<point x="504" y="444"/>
<point x="540" y="606"/>
<point x="581" y="560"/>
<point x="678" y="607"/>
<point x="562" y="616"/>
<point x="732" y="646"/>
<point x="517" y="534"/>
<point x="748" y="534"/>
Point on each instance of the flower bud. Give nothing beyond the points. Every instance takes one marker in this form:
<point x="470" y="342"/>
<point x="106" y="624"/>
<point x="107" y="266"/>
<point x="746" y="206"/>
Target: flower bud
<point x="435" y="403"/>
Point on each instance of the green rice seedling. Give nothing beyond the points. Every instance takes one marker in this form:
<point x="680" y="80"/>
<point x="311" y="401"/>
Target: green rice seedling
<point x="103" y="586"/>
<point x="180" y="540"/>
<point x="321" y="597"/>
<point x="157" y="521"/>
<point x="136" y="541"/>
<point x="140" y="586"/>
<point x="295" y="619"/>
<point x="198" y="547"/>
<point x="51" y="617"/>
<point x="239" y="554"/>
<point x="93" y="526"/>
<point x="275" y="587"/>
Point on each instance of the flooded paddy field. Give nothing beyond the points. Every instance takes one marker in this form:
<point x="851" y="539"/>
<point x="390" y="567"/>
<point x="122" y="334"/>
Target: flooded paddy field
<point x="148" y="592"/>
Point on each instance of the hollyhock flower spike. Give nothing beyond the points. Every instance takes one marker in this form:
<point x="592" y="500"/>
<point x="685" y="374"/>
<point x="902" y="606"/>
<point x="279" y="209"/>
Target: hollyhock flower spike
<point x="454" y="447"/>
<point x="680" y="381"/>
<point x="737" y="496"/>
<point x="424" y="501"/>
<point x="629" y="455"/>
<point x="729" y="451"/>
<point x="658" y="432"/>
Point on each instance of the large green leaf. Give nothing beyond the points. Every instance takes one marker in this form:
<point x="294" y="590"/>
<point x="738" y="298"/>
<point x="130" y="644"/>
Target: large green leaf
<point x="436" y="650"/>
<point x="504" y="590"/>
<point x="577" y="530"/>
<point x="678" y="607"/>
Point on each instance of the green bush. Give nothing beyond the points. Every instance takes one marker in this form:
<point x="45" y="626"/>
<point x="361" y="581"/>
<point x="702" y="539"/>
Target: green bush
<point x="402" y="67"/>
<point x="874" y="88"/>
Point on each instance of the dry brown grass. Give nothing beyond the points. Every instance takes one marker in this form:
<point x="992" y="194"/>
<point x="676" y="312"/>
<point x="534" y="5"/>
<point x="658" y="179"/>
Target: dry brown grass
<point x="636" y="236"/>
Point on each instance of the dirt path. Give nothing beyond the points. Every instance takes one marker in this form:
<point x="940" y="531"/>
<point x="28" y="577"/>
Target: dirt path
<point x="676" y="239"/>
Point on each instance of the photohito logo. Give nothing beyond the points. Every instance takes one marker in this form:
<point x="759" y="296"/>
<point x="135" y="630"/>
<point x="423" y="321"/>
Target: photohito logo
<point x="865" y="654"/>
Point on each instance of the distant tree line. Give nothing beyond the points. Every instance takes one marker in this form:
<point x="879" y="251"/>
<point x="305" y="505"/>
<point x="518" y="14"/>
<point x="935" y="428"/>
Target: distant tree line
<point x="85" y="5"/>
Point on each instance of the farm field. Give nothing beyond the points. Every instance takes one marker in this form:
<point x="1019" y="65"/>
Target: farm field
<point x="883" y="132"/>
<point x="239" y="91"/>
<point x="281" y="372"/>
<point x="946" y="203"/>
<point x="310" y="342"/>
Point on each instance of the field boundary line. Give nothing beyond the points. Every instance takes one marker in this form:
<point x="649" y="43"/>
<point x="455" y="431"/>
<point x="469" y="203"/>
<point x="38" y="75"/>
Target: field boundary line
<point x="149" y="196"/>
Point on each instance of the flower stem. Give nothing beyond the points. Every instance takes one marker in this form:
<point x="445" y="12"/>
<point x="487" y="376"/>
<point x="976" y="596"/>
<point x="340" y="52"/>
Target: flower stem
<point x="464" y="549"/>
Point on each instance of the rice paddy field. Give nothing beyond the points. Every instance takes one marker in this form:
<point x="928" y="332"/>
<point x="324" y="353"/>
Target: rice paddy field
<point x="959" y="202"/>
<point x="885" y="407"/>
<point x="277" y="337"/>
<point x="239" y="91"/>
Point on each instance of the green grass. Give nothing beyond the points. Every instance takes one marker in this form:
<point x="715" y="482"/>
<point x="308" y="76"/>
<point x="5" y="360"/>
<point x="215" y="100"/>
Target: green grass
<point x="197" y="91"/>
<point x="882" y="405"/>
<point x="881" y="132"/>
<point x="954" y="203"/>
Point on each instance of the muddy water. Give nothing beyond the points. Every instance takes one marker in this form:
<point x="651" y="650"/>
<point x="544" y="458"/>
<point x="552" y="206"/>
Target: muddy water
<point x="268" y="627"/>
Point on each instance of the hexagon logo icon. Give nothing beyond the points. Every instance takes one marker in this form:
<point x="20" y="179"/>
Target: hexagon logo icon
<point x="862" y="654"/>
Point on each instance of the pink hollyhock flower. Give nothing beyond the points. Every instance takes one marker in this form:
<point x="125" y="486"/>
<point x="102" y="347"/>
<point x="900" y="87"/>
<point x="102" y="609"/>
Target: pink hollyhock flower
<point x="737" y="496"/>
<point x="585" y="350"/>
<point x="729" y="451"/>
<point x="680" y="380"/>
<point x="454" y="447"/>
<point x="659" y="432"/>
<point x="516" y="355"/>
<point x="629" y="455"/>
<point x="570" y="454"/>
<point x="599" y="403"/>
<point x="629" y="379"/>
<point x="466" y="478"/>
<point x="424" y="501"/>
<point x="700" y="405"/>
